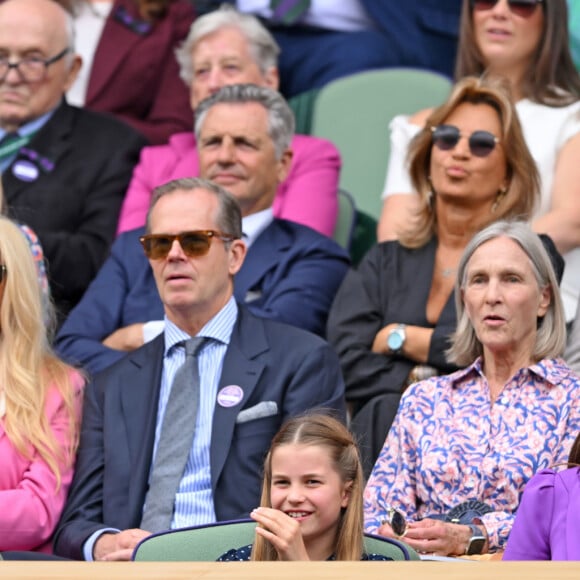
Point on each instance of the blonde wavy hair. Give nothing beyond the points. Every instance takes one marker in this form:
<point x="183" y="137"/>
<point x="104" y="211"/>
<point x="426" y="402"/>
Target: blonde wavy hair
<point x="28" y="368"/>
<point x="523" y="192"/>
<point x="325" y="431"/>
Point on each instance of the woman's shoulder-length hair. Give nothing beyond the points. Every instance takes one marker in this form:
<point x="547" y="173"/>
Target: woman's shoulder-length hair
<point x="551" y="328"/>
<point x="523" y="191"/>
<point x="552" y="79"/>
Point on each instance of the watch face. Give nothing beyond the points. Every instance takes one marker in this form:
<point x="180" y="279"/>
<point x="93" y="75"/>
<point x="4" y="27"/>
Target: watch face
<point x="395" y="340"/>
<point x="475" y="546"/>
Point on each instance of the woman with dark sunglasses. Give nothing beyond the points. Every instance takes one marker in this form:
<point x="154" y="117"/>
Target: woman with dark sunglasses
<point x="525" y="42"/>
<point x="392" y="317"/>
<point x="40" y="406"/>
<point x="547" y="525"/>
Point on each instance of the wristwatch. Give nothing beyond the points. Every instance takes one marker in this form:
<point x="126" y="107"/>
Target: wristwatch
<point x="396" y="339"/>
<point x="476" y="542"/>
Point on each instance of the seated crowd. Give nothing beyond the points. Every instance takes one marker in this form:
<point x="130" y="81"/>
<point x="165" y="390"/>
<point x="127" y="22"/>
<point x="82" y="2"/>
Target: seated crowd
<point x="222" y="358"/>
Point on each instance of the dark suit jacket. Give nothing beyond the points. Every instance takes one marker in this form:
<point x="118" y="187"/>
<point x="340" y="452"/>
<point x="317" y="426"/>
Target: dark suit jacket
<point x="135" y="75"/>
<point x="84" y="162"/>
<point x="269" y="360"/>
<point x="291" y="274"/>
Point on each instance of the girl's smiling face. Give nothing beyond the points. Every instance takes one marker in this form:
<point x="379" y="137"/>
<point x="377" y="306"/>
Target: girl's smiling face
<point x="307" y="487"/>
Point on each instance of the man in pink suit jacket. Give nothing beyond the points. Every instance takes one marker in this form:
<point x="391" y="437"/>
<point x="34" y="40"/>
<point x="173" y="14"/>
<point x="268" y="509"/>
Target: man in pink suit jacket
<point x="223" y="48"/>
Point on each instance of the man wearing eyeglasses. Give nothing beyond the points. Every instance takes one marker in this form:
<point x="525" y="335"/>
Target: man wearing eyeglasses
<point x="64" y="170"/>
<point x="291" y="272"/>
<point x="252" y="374"/>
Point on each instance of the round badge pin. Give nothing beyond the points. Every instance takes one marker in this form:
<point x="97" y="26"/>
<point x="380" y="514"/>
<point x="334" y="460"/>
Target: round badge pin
<point x="230" y="396"/>
<point x="25" y="170"/>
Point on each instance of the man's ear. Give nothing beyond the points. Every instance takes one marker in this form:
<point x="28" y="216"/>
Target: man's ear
<point x="284" y="164"/>
<point x="73" y="72"/>
<point x="237" y="254"/>
<point x="272" y="78"/>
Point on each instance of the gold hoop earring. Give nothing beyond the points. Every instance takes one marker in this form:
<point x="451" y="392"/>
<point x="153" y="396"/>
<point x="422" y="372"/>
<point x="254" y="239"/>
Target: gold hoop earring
<point x="498" y="199"/>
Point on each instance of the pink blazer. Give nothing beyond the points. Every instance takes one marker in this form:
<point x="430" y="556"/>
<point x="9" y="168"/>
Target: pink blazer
<point x="307" y="196"/>
<point x="29" y="505"/>
<point x="135" y="75"/>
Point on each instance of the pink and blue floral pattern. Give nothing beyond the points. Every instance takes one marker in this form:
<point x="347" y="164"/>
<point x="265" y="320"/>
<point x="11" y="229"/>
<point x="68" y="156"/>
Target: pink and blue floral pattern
<point x="449" y="444"/>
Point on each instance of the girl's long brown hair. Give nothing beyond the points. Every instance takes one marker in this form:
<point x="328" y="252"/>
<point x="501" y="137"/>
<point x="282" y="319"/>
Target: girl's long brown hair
<point x="322" y="430"/>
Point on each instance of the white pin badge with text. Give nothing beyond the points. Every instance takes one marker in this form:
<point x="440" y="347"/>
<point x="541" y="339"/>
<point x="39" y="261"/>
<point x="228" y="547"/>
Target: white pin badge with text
<point x="230" y="396"/>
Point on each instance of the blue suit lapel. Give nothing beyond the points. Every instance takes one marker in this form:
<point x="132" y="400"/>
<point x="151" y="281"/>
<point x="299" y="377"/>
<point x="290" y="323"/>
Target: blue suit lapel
<point x="140" y="385"/>
<point x="264" y="255"/>
<point x="240" y="368"/>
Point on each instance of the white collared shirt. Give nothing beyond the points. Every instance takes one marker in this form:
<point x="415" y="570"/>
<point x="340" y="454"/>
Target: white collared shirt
<point x="253" y="225"/>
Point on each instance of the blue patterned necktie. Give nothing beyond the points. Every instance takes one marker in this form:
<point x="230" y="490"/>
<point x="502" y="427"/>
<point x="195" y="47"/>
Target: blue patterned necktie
<point x="288" y="12"/>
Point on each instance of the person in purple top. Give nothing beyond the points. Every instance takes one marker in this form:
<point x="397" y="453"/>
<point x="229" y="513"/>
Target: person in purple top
<point x="547" y="526"/>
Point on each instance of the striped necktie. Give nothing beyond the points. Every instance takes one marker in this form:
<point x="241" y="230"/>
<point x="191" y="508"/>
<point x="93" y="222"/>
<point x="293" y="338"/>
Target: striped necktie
<point x="11" y="143"/>
<point x="288" y="12"/>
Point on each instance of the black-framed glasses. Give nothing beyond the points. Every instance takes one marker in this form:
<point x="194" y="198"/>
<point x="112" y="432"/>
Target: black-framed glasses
<point x="396" y="520"/>
<point x="522" y="8"/>
<point x="481" y="143"/>
<point x="30" y="68"/>
<point x="194" y="244"/>
<point x="3" y="272"/>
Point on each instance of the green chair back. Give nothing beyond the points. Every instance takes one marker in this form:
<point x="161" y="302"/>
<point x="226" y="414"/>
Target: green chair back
<point x="197" y="544"/>
<point x="346" y="220"/>
<point x="354" y="113"/>
<point x="208" y="543"/>
<point x="394" y="549"/>
<point x="302" y="106"/>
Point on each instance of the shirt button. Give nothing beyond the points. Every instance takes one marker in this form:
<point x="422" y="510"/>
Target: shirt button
<point x="504" y="400"/>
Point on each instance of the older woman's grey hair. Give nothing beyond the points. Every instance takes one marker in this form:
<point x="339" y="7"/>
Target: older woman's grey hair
<point x="280" y="116"/>
<point x="261" y="43"/>
<point x="551" y="334"/>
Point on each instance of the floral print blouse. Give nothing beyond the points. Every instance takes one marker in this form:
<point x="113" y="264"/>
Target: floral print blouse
<point x="449" y="444"/>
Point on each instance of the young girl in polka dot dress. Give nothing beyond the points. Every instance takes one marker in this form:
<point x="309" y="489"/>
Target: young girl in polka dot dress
<point x="311" y="507"/>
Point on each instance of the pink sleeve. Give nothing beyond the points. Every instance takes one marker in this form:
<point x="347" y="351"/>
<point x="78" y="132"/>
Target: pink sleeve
<point x="30" y="511"/>
<point x="309" y="193"/>
<point x="136" y="203"/>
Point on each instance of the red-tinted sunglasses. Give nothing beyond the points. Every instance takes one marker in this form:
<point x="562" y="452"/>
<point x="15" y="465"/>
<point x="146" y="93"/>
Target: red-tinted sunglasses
<point x="193" y="244"/>
<point x="522" y="8"/>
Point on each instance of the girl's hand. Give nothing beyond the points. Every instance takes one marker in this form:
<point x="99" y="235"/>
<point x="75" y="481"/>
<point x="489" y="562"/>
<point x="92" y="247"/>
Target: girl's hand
<point x="282" y="531"/>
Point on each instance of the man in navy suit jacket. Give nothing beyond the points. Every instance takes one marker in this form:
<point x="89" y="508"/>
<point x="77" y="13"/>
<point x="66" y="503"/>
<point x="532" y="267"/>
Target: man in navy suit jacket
<point x="337" y="39"/>
<point x="269" y="372"/>
<point x="291" y="272"/>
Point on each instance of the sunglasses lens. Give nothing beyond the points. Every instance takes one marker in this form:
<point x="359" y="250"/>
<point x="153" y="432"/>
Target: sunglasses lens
<point x="156" y="248"/>
<point x="481" y="143"/>
<point x="195" y="244"/>
<point x="446" y="137"/>
<point x="398" y="523"/>
<point x="522" y="8"/>
<point x="483" y="4"/>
